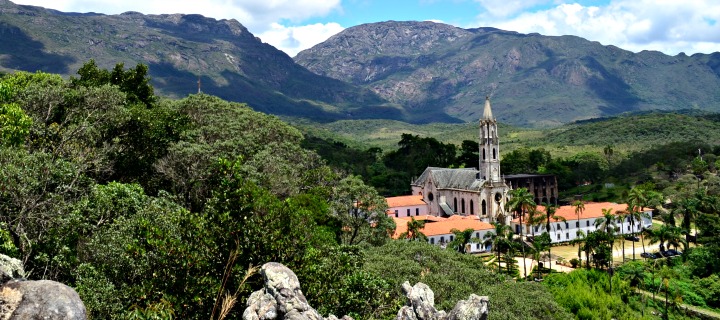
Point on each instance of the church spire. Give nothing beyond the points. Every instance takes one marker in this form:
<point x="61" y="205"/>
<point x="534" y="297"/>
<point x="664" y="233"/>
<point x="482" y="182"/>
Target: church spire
<point x="487" y="113"/>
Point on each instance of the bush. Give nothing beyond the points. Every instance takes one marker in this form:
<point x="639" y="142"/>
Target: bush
<point x="574" y="262"/>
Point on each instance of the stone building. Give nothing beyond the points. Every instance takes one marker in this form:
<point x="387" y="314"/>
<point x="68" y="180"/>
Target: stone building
<point x="482" y="192"/>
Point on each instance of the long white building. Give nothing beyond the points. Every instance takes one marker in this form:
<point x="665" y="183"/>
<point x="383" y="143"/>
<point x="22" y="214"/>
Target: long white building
<point x="567" y="230"/>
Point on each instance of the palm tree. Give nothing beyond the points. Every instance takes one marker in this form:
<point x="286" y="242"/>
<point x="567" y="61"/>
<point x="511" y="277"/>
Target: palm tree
<point x="521" y="202"/>
<point x="462" y="239"/>
<point x="534" y="218"/>
<point x="497" y="236"/>
<point x="579" y="208"/>
<point x="635" y="217"/>
<point x="580" y="242"/>
<point x="688" y="209"/>
<point x="538" y="246"/>
<point x="606" y="224"/>
<point x="665" y="234"/>
<point x="550" y="214"/>
<point x="620" y="218"/>
<point x="634" y="273"/>
<point x="413" y="232"/>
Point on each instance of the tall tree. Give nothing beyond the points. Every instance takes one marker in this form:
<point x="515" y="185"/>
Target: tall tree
<point x="462" y="239"/>
<point x="413" y="232"/>
<point x="498" y="237"/>
<point x="688" y="209"/>
<point x="607" y="225"/>
<point x="361" y="211"/>
<point x="521" y="202"/>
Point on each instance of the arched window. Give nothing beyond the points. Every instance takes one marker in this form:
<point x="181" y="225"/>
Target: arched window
<point x="483" y="153"/>
<point x="472" y="208"/>
<point x="484" y="208"/>
<point x="455" y="204"/>
<point x="462" y="205"/>
<point x="494" y="154"/>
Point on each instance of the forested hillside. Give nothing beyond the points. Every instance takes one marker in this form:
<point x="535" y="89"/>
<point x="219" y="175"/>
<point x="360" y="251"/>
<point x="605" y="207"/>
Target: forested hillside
<point x="438" y="72"/>
<point x="180" y="50"/>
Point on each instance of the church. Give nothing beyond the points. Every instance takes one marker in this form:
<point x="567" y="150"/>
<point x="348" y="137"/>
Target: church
<point x="468" y="191"/>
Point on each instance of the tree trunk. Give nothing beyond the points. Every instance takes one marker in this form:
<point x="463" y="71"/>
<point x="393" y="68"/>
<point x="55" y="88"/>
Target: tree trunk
<point x="522" y="246"/>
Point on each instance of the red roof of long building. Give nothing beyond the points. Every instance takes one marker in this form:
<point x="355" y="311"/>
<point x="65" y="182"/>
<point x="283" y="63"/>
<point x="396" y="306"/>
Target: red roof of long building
<point x="443" y="225"/>
<point x="405" y="201"/>
<point x="592" y="210"/>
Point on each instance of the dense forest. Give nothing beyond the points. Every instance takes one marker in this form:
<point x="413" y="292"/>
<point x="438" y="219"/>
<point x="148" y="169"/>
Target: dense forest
<point x="153" y="208"/>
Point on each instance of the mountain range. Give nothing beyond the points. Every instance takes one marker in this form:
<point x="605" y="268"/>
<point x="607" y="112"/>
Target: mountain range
<point x="418" y="72"/>
<point x="436" y="70"/>
<point x="180" y="50"/>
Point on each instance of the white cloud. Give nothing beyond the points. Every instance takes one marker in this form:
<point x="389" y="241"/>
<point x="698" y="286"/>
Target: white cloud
<point x="292" y="40"/>
<point x="665" y="25"/>
<point x="505" y="8"/>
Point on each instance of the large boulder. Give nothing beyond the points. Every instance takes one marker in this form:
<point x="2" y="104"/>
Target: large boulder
<point x="42" y="299"/>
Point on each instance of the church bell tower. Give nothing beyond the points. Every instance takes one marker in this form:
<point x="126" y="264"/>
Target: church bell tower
<point x="489" y="147"/>
<point x="494" y="191"/>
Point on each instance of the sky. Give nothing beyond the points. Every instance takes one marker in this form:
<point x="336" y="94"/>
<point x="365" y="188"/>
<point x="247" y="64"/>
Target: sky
<point x="669" y="26"/>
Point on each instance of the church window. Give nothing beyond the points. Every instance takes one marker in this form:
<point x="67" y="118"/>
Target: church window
<point x="494" y="154"/>
<point x="430" y="196"/>
<point x="472" y="208"/>
<point x="484" y="208"/>
<point x="462" y="205"/>
<point x="455" y="204"/>
<point x="483" y="153"/>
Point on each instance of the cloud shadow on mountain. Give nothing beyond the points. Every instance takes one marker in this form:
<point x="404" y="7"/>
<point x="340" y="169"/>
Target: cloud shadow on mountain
<point x="19" y="51"/>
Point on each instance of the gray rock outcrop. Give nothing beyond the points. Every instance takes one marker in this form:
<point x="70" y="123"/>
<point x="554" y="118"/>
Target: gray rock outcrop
<point x="44" y="299"/>
<point x="10" y="268"/>
<point x="281" y="298"/>
<point x="421" y="306"/>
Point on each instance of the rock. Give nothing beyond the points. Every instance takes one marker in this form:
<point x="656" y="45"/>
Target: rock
<point x="281" y="297"/>
<point x="42" y="299"/>
<point x="421" y="306"/>
<point x="10" y="268"/>
<point x="475" y="308"/>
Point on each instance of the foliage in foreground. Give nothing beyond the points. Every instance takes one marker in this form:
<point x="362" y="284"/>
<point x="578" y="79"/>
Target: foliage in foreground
<point x="453" y="277"/>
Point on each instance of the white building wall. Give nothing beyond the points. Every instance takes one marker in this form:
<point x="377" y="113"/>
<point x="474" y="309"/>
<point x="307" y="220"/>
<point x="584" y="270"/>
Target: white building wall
<point x="567" y="233"/>
<point x="481" y="246"/>
<point x="409" y="211"/>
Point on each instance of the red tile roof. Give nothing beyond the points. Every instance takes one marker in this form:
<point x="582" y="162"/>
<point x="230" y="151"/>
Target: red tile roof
<point x="592" y="210"/>
<point x="440" y="227"/>
<point x="405" y="201"/>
